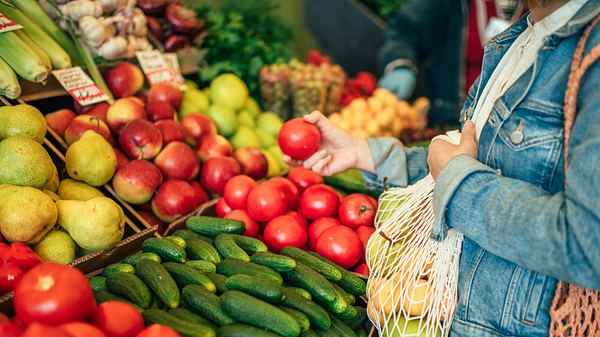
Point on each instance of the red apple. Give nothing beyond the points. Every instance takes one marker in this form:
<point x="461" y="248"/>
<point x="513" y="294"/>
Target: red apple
<point x="195" y="126"/>
<point x="123" y="111"/>
<point x="140" y="139"/>
<point x="165" y="92"/>
<point x="83" y="123"/>
<point x="140" y="99"/>
<point x="252" y="161"/>
<point x="213" y="146"/>
<point x="99" y="110"/>
<point x="122" y="159"/>
<point x="200" y="192"/>
<point x="137" y="181"/>
<point x="152" y="220"/>
<point x="160" y="110"/>
<point x="217" y="171"/>
<point x="126" y="79"/>
<point x="59" y="120"/>
<point x="170" y="130"/>
<point x="178" y="161"/>
<point x="174" y="198"/>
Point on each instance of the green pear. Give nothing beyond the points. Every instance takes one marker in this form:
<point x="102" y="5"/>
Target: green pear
<point x="276" y="151"/>
<point x="194" y="101"/>
<point x="22" y="120"/>
<point x="270" y="122"/>
<point x="70" y="189"/>
<point x="91" y="159"/>
<point x="52" y="184"/>
<point x="245" y="118"/>
<point x="26" y="214"/>
<point x="273" y="168"/>
<point x="57" y="246"/>
<point x="266" y="139"/>
<point x="252" y="107"/>
<point x="97" y="224"/>
<point x="244" y="137"/>
<point x="24" y="162"/>
<point x="224" y="118"/>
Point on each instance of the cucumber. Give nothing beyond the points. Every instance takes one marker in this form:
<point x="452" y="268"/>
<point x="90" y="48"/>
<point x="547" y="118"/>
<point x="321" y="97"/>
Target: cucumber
<point x="201" y="250"/>
<point x="98" y="283"/>
<point x="191" y="317"/>
<point x="229" y="249"/>
<point x="202" y="266"/>
<point x="185" y="275"/>
<point x="211" y="226"/>
<point x="156" y="303"/>
<point x="206" y="304"/>
<point x="358" y="320"/>
<point x="135" y="258"/>
<point x="317" y="285"/>
<point x="260" y="287"/>
<point x="347" y="296"/>
<point x="331" y="332"/>
<point x="309" y="333"/>
<point x="167" y="250"/>
<point x="159" y="280"/>
<point x="247" y="309"/>
<point x="219" y="281"/>
<point x="230" y="267"/>
<point x="341" y="328"/>
<point x="187" y="234"/>
<point x="349" y="313"/>
<point x="106" y="296"/>
<point x="317" y="316"/>
<point x="250" y="245"/>
<point x="243" y="330"/>
<point x="275" y="261"/>
<point x="349" y="282"/>
<point x="129" y="286"/>
<point x="177" y="240"/>
<point x="302" y="292"/>
<point x="330" y="272"/>
<point x="184" y="328"/>
<point x="300" y="318"/>
<point x="118" y="268"/>
<point x="337" y="306"/>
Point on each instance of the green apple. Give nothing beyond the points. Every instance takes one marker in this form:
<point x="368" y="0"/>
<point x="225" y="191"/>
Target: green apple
<point x="270" y="122"/>
<point x="400" y="327"/>
<point x="252" y="107"/>
<point x="266" y="139"/>
<point x="245" y="118"/>
<point x="224" y="118"/>
<point x="378" y="249"/>
<point x="229" y="90"/>
<point x="272" y="166"/>
<point x="276" y="151"/>
<point x="194" y="100"/>
<point x="244" y="137"/>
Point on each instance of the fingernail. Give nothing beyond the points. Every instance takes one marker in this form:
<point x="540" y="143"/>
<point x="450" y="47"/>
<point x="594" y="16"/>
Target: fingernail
<point x="469" y="124"/>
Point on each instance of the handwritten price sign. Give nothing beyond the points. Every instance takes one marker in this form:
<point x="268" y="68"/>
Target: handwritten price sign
<point x="6" y="24"/>
<point x="155" y="67"/>
<point x="79" y="85"/>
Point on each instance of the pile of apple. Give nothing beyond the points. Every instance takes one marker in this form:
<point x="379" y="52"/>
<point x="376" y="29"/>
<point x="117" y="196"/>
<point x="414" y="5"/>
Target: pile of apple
<point x="301" y="211"/>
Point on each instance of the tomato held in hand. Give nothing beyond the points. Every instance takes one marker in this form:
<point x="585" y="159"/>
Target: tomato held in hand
<point x="53" y="294"/>
<point x="341" y="245"/>
<point x="290" y="191"/>
<point x="10" y="276"/>
<point x="118" y="319"/>
<point x="157" y="330"/>
<point x="319" y="201"/>
<point x="242" y="215"/>
<point x="237" y="190"/>
<point x="364" y="233"/>
<point x="304" y="178"/>
<point x="80" y="329"/>
<point x="284" y="231"/>
<point x="222" y="208"/>
<point x="318" y="227"/>
<point x="266" y="202"/>
<point x="11" y="329"/>
<point x="357" y="210"/>
<point x="299" y="139"/>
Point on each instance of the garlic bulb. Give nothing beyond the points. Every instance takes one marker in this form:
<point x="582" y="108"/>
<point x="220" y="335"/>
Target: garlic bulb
<point x="109" y="6"/>
<point x="77" y="9"/>
<point x="113" y="48"/>
<point x="92" y="31"/>
<point x="138" y="43"/>
<point x="139" y="23"/>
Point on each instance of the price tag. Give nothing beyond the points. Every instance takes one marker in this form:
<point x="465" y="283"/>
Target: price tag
<point x="155" y="67"/>
<point x="173" y="63"/>
<point x="7" y="24"/>
<point x="79" y="85"/>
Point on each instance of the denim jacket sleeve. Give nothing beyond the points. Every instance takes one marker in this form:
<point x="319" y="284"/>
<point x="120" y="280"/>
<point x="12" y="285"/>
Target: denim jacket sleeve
<point x="399" y="165"/>
<point x="555" y="234"/>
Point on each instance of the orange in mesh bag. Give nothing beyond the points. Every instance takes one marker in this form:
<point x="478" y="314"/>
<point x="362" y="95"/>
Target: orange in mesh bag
<point x="413" y="279"/>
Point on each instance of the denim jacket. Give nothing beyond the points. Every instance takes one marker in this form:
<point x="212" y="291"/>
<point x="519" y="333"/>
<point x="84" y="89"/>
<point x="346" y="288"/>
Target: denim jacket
<point x="523" y="230"/>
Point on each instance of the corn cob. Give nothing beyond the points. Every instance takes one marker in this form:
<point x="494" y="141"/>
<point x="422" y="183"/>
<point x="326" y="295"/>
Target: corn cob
<point x="21" y="58"/>
<point x="35" y="47"/>
<point x="9" y="85"/>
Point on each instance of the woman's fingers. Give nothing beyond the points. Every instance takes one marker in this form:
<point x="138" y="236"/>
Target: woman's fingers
<point x="312" y="160"/>
<point x="291" y="162"/>
<point x="320" y="165"/>
<point x="318" y="119"/>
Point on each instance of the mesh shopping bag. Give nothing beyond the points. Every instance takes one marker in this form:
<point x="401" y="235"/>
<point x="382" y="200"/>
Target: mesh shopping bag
<point x="413" y="279"/>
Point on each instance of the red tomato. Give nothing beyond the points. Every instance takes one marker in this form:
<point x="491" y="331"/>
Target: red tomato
<point x="118" y="319"/>
<point x="80" y="329"/>
<point x="319" y="201"/>
<point x="364" y="233"/>
<point x="157" y="330"/>
<point x="222" y="208"/>
<point x="236" y="191"/>
<point x="10" y="276"/>
<point x="242" y="215"/>
<point x="373" y="201"/>
<point x="11" y="329"/>
<point x="299" y="217"/>
<point x="304" y="178"/>
<point x="40" y="330"/>
<point x="23" y="256"/>
<point x="362" y="269"/>
<point x="357" y="210"/>
<point x="4" y="252"/>
<point x="299" y="139"/>
<point x="341" y="245"/>
<point x="289" y="190"/>
<point x="284" y="231"/>
<point x="317" y="227"/>
<point x="53" y="294"/>
<point x="3" y="319"/>
<point x="266" y="202"/>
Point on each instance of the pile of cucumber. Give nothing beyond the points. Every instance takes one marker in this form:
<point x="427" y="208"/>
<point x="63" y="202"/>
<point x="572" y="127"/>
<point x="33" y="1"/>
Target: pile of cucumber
<point x="209" y="280"/>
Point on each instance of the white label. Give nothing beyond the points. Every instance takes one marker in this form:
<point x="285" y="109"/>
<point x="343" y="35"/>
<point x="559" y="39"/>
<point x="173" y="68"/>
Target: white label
<point x="155" y="67"/>
<point x="173" y="63"/>
<point x="7" y="24"/>
<point x="80" y="86"/>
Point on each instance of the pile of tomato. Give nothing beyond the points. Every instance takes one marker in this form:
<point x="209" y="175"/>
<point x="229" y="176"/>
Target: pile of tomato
<point x="301" y="211"/>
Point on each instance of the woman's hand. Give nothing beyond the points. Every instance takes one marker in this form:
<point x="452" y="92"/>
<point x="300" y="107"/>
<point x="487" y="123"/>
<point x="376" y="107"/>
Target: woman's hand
<point x="339" y="150"/>
<point x="441" y="151"/>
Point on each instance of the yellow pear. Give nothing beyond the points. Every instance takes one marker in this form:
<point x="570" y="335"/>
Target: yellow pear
<point x="24" y="162"/>
<point x="52" y="184"/>
<point x="57" y="246"/>
<point x="91" y="159"/>
<point x="70" y="189"/>
<point x="22" y="120"/>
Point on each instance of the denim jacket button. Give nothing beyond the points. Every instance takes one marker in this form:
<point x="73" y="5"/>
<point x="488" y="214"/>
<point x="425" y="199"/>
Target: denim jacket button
<point x="516" y="137"/>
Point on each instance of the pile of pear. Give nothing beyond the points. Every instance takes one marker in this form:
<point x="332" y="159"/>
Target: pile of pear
<point x="60" y="219"/>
